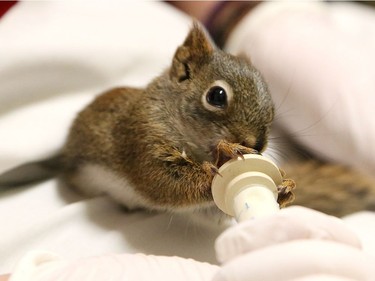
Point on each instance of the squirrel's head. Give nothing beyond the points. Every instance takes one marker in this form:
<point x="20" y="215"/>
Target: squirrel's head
<point x="218" y="95"/>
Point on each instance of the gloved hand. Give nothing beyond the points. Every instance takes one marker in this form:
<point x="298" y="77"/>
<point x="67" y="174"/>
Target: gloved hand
<point x="295" y="244"/>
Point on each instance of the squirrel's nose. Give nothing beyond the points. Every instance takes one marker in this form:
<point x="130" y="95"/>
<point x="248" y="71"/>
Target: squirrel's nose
<point x="261" y="143"/>
<point x="258" y="144"/>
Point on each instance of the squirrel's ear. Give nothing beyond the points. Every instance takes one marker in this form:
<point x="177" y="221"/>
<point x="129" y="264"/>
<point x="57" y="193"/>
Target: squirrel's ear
<point x="196" y="48"/>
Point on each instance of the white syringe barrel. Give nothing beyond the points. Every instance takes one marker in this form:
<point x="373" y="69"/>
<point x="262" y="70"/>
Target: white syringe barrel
<point x="247" y="188"/>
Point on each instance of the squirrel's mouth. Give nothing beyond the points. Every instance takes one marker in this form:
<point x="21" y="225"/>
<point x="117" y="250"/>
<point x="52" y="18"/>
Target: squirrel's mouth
<point x="259" y="145"/>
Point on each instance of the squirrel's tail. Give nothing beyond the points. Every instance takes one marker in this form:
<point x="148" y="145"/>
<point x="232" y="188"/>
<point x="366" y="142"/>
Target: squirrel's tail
<point x="331" y="188"/>
<point x="31" y="172"/>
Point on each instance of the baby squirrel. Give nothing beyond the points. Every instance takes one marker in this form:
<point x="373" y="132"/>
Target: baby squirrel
<point x="160" y="147"/>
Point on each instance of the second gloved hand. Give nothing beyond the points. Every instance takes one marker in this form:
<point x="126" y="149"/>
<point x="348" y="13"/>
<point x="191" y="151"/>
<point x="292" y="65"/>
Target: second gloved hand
<point x="295" y="244"/>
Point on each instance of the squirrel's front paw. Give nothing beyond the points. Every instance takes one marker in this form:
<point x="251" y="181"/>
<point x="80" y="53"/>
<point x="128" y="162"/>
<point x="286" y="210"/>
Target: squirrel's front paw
<point x="226" y="151"/>
<point x="285" y="192"/>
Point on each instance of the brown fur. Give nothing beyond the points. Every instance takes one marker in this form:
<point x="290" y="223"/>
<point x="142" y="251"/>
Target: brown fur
<point x="161" y="139"/>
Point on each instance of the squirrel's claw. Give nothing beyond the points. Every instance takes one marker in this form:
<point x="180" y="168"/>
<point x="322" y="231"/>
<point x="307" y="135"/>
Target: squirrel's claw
<point x="226" y="151"/>
<point x="285" y="192"/>
<point x="210" y="169"/>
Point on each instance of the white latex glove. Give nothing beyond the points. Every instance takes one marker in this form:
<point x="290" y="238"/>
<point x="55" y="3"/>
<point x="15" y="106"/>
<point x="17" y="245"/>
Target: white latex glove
<point x="319" y="62"/>
<point x="295" y="244"/>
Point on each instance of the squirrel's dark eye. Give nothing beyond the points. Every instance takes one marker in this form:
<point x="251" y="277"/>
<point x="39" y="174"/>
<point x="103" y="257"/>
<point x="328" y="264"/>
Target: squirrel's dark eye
<point x="217" y="96"/>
